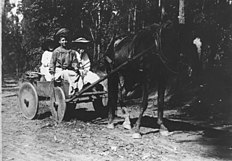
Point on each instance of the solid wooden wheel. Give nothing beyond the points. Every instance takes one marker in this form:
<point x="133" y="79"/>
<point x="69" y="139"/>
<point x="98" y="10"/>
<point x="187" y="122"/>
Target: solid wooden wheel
<point x="58" y="104"/>
<point x="28" y="100"/>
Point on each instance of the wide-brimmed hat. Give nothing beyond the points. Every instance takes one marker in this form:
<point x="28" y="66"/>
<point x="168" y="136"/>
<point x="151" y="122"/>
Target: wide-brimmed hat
<point x="81" y="40"/>
<point x="63" y="32"/>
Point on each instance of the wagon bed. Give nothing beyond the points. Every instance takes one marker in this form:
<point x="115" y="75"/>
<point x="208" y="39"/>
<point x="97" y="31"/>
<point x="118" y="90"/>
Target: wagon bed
<point x="62" y="105"/>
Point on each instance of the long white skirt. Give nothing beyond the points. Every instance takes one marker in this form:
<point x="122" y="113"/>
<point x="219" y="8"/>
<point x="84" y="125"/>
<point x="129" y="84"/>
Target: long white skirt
<point x="68" y="75"/>
<point x="75" y="80"/>
<point x="87" y="77"/>
<point x="45" y="71"/>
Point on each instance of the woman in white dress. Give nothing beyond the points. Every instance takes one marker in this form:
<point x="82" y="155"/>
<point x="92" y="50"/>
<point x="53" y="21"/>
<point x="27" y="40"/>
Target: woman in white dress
<point x="48" y="47"/>
<point x="87" y="76"/>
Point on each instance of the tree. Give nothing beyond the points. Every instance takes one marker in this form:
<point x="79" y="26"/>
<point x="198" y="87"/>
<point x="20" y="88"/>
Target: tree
<point x="42" y="19"/>
<point x="11" y="38"/>
<point x="181" y="12"/>
<point x="98" y="20"/>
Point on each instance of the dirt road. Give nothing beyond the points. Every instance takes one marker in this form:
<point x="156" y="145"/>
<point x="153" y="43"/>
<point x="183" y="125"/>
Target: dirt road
<point x="86" y="137"/>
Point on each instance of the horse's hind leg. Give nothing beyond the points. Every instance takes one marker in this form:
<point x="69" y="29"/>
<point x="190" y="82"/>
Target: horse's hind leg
<point x="143" y="107"/>
<point x="112" y="98"/>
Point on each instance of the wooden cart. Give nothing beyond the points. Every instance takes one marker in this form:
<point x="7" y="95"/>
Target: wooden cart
<point x="33" y="90"/>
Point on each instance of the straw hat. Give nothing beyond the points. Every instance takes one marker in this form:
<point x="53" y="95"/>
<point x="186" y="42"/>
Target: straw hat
<point x="81" y="40"/>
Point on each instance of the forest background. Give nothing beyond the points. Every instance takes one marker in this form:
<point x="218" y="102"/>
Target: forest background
<point x="24" y="31"/>
<point x="26" y="25"/>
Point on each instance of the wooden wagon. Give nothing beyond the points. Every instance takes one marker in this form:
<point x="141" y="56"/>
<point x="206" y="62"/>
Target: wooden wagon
<point x="33" y="90"/>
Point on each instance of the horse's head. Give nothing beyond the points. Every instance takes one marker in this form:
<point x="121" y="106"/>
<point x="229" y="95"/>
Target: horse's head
<point x="189" y="51"/>
<point x="179" y="47"/>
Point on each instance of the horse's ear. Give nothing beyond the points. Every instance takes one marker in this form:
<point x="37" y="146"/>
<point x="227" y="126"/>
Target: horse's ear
<point x="168" y="24"/>
<point x="113" y="38"/>
<point x="110" y="45"/>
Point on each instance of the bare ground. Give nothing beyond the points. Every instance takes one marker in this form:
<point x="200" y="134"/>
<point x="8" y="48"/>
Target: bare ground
<point x="87" y="138"/>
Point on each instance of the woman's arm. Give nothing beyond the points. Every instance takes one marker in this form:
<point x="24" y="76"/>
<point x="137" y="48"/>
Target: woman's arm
<point x="53" y="63"/>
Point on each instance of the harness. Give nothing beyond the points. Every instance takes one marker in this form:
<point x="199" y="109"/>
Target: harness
<point x="159" y="51"/>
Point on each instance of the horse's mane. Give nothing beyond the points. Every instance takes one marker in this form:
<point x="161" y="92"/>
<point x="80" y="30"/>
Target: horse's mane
<point x="152" y="29"/>
<point x="117" y="42"/>
<point x="121" y="41"/>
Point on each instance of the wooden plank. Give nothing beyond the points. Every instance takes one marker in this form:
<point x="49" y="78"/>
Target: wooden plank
<point x="43" y="88"/>
<point x="79" y="100"/>
<point x="86" y="97"/>
<point x="86" y="94"/>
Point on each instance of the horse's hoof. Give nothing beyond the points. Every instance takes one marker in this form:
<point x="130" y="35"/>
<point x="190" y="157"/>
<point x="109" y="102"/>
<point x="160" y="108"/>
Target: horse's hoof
<point x="165" y="133"/>
<point x="126" y="126"/>
<point x="110" y="126"/>
<point x="136" y="136"/>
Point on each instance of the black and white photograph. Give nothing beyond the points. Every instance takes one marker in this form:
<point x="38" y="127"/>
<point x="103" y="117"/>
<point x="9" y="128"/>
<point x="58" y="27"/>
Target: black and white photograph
<point x="116" y="80"/>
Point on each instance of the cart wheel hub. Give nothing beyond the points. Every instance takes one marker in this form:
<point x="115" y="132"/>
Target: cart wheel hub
<point x="55" y="104"/>
<point x="58" y="104"/>
<point x="26" y="102"/>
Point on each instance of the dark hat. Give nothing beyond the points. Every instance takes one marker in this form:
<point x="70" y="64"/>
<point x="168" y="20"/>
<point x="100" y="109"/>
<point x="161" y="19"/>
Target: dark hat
<point x="63" y="32"/>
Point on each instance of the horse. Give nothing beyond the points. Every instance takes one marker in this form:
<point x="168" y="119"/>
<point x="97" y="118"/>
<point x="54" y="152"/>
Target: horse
<point x="153" y="55"/>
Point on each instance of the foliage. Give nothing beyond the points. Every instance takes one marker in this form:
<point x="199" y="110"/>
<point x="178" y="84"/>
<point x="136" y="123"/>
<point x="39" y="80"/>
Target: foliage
<point x="11" y="38"/>
<point x="41" y="20"/>
<point x="213" y="24"/>
<point x="98" y="20"/>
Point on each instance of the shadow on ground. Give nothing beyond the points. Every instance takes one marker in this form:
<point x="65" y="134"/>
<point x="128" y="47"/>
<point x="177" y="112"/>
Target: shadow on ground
<point x="218" y="142"/>
<point x="81" y="114"/>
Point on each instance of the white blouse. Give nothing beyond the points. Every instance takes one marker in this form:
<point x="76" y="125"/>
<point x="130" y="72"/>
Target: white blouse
<point x="46" y="58"/>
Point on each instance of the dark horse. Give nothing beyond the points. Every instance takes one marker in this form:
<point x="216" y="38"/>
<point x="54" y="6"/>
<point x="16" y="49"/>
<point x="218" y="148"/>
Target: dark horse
<point x="162" y="48"/>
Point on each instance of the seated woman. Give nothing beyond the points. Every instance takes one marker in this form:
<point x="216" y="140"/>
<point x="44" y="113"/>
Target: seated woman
<point x="63" y="63"/>
<point x="87" y="76"/>
<point x="48" y="47"/>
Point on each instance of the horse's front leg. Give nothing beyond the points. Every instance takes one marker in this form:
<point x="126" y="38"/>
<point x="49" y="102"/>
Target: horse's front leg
<point x="143" y="107"/>
<point x="161" y="93"/>
<point x="126" y="124"/>
<point x="112" y="99"/>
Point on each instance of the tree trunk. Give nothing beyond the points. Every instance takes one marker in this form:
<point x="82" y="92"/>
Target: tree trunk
<point x="134" y="19"/>
<point x="99" y="30"/>
<point x="1" y="12"/>
<point x="128" y="23"/>
<point x="181" y="12"/>
<point x="94" y="43"/>
<point x="162" y="9"/>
